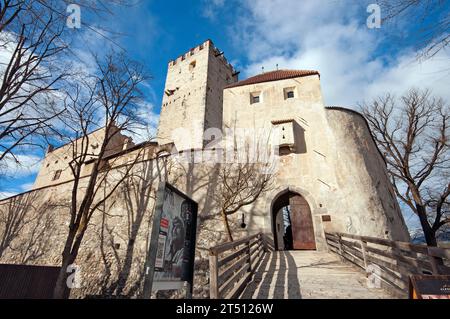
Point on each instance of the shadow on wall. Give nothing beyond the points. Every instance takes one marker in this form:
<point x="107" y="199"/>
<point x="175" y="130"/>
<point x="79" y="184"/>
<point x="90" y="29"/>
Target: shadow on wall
<point x="299" y="138"/>
<point x="198" y="178"/>
<point x="124" y="268"/>
<point x="22" y="215"/>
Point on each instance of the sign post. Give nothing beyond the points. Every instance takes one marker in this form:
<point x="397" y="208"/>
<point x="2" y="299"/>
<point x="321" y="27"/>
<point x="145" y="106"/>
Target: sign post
<point x="171" y="254"/>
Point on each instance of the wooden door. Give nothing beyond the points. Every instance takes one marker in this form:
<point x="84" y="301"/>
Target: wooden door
<point x="302" y="224"/>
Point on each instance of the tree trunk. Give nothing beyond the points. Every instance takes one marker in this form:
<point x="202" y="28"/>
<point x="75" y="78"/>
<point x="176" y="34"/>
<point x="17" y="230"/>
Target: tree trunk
<point x="61" y="290"/>
<point x="69" y="255"/>
<point x="430" y="235"/>
<point x="227" y="226"/>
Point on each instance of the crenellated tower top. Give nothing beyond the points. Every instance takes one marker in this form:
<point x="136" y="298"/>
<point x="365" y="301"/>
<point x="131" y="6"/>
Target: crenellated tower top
<point x="193" y="96"/>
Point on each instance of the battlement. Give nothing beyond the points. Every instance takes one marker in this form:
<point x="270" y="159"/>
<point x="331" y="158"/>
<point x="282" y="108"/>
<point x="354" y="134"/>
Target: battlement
<point x="208" y="44"/>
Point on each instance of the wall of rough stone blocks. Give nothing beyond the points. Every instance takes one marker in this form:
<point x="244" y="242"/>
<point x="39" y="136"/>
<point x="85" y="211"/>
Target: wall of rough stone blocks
<point x="60" y="158"/>
<point x="334" y="164"/>
<point x="192" y="99"/>
<point x="113" y="251"/>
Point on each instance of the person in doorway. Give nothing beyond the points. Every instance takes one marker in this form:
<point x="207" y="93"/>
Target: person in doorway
<point x="288" y="240"/>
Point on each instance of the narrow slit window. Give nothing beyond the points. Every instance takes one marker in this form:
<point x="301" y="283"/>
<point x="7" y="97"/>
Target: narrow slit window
<point x="57" y="175"/>
<point x="192" y="65"/>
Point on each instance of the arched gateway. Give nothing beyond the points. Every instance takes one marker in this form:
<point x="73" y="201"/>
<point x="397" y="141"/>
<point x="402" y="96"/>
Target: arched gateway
<point x="293" y="227"/>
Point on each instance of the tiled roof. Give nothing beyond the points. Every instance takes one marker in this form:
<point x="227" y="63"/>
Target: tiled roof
<point x="274" y="76"/>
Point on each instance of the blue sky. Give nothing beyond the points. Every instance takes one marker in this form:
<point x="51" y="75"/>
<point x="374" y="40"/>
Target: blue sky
<point x="356" y="63"/>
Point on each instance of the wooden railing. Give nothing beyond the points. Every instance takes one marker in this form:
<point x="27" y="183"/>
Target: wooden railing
<point x="232" y="264"/>
<point x="392" y="262"/>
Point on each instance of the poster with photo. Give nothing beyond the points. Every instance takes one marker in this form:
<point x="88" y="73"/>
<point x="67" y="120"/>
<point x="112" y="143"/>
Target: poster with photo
<point x="175" y="249"/>
<point x="430" y="287"/>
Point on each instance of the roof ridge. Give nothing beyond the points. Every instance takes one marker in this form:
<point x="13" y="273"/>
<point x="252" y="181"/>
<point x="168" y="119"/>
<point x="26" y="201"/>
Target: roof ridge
<point x="274" y="75"/>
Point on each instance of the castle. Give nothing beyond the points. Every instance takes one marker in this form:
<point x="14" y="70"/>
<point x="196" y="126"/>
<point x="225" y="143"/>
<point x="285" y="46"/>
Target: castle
<point x="329" y="170"/>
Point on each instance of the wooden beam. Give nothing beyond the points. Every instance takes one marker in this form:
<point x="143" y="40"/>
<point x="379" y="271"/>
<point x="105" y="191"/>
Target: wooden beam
<point x="214" y="277"/>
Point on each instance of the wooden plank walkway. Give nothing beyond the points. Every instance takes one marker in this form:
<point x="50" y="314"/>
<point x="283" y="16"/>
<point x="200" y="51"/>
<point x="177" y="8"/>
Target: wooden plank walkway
<point x="309" y="275"/>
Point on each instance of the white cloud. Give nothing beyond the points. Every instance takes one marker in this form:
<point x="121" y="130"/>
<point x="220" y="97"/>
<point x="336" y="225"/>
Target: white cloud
<point x="24" y="166"/>
<point x="146" y="129"/>
<point x="26" y="187"/>
<point x="211" y="8"/>
<point x="407" y="72"/>
<point x="4" y="195"/>
<point x="11" y="192"/>
<point x="333" y="39"/>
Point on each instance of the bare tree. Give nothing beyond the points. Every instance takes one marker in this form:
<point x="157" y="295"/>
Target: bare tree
<point x="431" y="19"/>
<point x="35" y="43"/>
<point x="28" y="77"/>
<point x="138" y="193"/>
<point x="242" y="181"/>
<point x="21" y="214"/>
<point x="413" y="135"/>
<point x="111" y="97"/>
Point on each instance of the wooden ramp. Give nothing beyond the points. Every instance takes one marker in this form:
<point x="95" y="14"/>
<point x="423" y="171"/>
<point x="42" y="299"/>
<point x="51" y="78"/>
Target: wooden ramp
<point x="309" y="275"/>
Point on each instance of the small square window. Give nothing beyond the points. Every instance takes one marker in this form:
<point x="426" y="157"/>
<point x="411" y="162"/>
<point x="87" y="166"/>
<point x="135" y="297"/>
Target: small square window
<point x="289" y="93"/>
<point x="57" y="175"/>
<point x="255" y="97"/>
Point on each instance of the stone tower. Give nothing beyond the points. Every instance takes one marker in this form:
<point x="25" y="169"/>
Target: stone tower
<point x="193" y="96"/>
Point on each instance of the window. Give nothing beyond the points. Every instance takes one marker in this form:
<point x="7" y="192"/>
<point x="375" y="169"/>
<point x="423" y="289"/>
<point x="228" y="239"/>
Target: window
<point x="255" y="97"/>
<point x="192" y="65"/>
<point x="289" y="93"/>
<point x="57" y="175"/>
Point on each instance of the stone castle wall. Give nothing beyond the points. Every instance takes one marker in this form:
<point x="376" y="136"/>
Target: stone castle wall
<point x="192" y="100"/>
<point x="113" y="252"/>
<point x="59" y="159"/>
<point x="331" y="161"/>
<point x="334" y="162"/>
